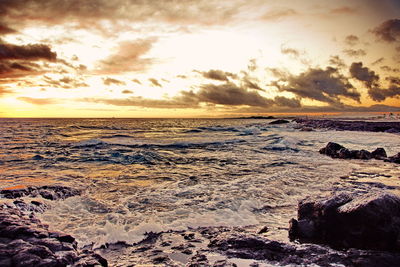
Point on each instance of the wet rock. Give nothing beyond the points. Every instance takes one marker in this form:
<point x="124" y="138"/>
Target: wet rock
<point x="335" y="150"/>
<point x="24" y="241"/>
<point x="198" y="260"/>
<point x="394" y="159"/>
<point x="279" y="122"/>
<point x="246" y="246"/>
<point x="49" y="192"/>
<point x="37" y="157"/>
<point x="379" y="153"/>
<point x="370" y="221"/>
<point x="370" y="126"/>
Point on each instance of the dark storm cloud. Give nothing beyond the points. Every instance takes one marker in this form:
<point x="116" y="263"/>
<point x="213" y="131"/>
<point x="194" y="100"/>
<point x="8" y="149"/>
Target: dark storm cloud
<point x="388" y="31"/>
<point x="155" y="82"/>
<point x="279" y="13"/>
<point x="355" y="52"/>
<point x="26" y="52"/>
<point x="128" y="57"/>
<point x="351" y="40"/>
<point x="325" y="85"/>
<point x="109" y="81"/>
<point x="230" y="94"/>
<point x="218" y="75"/>
<point x="364" y="74"/>
<point x="37" y="101"/>
<point x="249" y="83"/>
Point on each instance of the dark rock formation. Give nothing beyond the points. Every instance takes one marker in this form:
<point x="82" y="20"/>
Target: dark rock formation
<point x="335" y="150"/>
<point x="24" y="241"/>
<point x="48" y="192"/>
<point x="368" y="126"/>
<point x="279" y="122"/>
<point x="247" y="246"/>
<point x="347" y="221"/>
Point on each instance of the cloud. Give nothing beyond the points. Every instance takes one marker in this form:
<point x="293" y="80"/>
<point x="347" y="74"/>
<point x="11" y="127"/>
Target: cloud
<point x="380" y="95"/>
<point x="287" y="102"/>
<point x="109" y="81"/>
<point x="364" y="74"/>
<point x="290" y="51"/>
<point x="352" y="40"/>
<point x="4" y="29"/>
<point x="64" y="82"/>
<point x="136" y="81"/>
<point x="92" y="13"/>
<point x="128" y="57"/>
<point x="37" y="101"/>
<point x="343" y="10"/>
<point x="26" y="52"/>
<point x="325" y="85"/>
<point x="388" y="31"/>
<point x="390" y="69"/>
<point x="279" y="13"/>
<point x="337" y="62"/>
<point x="127" y="92"/>
<point x="372" y="81"/>
<point x="354" y="52"/>
<point x="218" y="75"/>
<point x="231" y="95"/>
<point x="378" y="61"/>
<point x="155" y="82"/>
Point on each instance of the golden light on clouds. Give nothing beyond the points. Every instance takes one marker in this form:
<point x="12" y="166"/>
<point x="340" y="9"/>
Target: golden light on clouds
<point x="197" y="58"/>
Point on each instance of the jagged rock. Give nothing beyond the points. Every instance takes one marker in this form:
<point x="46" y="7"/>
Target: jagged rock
<point x="332" y="149"/>
<point x="24" y="241"/>
<point x="49" y="192"/>
<point x="279" y="122"/>
<point x="347" y="221"/>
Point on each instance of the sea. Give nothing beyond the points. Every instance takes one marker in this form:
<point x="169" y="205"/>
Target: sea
<point x="152" y="175"/>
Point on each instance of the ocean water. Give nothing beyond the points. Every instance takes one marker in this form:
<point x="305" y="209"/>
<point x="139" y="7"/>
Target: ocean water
<point x="142" y="175"/>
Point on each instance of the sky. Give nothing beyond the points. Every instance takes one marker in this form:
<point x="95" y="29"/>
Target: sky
<point x="198" y="58"/>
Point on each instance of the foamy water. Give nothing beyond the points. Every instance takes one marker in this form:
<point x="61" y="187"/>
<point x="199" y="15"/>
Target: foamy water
<point x="143" y="175"/>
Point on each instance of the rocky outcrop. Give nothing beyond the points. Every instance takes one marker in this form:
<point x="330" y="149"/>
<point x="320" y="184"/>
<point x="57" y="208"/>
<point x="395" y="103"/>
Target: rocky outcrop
<point x="367" y="126"/>
<point x="280" y="121"/>
<point x="24" y="241"/>
<point x="369" y="221"/>
<point x="335" y="150"/>
<point x="48" y="192"/>
<point x="248" y="246"/>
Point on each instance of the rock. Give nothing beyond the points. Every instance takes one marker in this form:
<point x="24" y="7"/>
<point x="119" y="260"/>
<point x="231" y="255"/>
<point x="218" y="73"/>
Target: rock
<point x="24" y="241"/>
<point x="370" y="126"/>
<point x="279" y="122"/>
<point x="394" y="159"/>
<point x="379" y="153"/>
<point x="331" y="149"/>
<point x="54" y="192"/>
<point x="37" y="157"/>
<point x="335" y="150"/>
<point x="348" y="221"/>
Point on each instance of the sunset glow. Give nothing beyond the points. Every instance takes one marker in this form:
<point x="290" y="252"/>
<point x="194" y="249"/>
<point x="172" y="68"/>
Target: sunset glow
<point x="197" y="58"/>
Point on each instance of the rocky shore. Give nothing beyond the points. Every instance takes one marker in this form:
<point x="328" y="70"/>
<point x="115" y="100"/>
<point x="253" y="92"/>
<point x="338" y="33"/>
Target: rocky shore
<point x="25" y="241"/>
<point x="346" y="229"/>
<point x="341" y="125"/>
